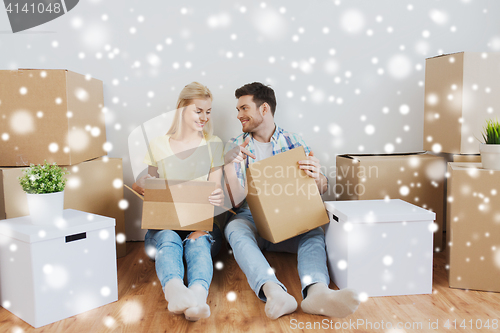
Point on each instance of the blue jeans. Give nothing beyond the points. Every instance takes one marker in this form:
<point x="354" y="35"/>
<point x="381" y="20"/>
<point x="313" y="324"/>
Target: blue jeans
<point x="168" y="248"/>
<point x="247" y="246"/>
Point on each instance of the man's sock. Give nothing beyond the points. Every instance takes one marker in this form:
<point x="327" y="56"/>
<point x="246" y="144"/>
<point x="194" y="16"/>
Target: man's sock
<point x="321" y="300"/>
<point x="201" y="310"/>
<point x="179" y="297"/>
<point x="279" y="302"/>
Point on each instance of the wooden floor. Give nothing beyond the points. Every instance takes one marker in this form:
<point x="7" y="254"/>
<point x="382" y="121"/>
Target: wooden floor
<point x="142" y="307"/>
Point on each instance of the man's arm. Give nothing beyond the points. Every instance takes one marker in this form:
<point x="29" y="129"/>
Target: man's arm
<point x="238" y="154"/>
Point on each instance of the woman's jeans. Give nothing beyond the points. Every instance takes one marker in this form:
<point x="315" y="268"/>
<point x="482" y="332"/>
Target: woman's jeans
<point x="169" y="247"/>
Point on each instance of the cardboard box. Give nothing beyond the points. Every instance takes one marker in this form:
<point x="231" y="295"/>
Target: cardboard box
<point x="50" y="273"/>
<point x="52" y="115"/>
<point x="459" y="97"/>
<point x="417" y="178"/>
<point x="473" y="227"/>
<point x="284" y="201"/>
<point x="94" y="186"/>
<point x="380" y="247"/>
<point x="467" y="158"/>
<point x="177" y="205"/>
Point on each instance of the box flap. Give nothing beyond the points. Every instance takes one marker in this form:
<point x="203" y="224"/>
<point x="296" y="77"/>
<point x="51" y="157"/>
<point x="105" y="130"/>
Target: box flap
<point x="467" y="166"/>
<point x="373" y="211"/>
<point x="74" y="222"/>
<point x="361" y="156"/>
<point x="444" y="55"/>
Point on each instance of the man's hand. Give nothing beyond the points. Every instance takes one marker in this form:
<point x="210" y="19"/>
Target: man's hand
<point x="239" y="153"/>
<point x="311" y="166"/>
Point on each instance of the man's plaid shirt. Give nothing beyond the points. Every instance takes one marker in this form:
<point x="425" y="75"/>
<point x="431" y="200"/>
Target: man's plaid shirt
<point x="281" y="140"/>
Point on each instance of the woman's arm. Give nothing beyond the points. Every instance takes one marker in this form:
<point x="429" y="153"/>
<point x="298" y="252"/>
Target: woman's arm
<point x="217" y="196"/>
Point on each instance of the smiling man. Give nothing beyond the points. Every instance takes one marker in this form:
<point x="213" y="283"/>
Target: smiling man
<point x="261" y="138"/>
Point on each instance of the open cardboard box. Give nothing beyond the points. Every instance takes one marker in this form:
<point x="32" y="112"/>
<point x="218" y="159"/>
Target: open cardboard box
<point x="177" y="205"/>
<point x="284" y="201"/>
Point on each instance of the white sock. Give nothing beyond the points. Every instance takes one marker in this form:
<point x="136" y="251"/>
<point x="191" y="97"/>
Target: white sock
<point x="201" y="310"/>
<point x="321" y="300"/>
<point x="279" y="302"/>
<point x="179" y="297"/>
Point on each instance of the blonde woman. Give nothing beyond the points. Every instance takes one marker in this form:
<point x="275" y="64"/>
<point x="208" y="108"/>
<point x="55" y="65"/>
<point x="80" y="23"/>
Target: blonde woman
<point x="188" y="151"/>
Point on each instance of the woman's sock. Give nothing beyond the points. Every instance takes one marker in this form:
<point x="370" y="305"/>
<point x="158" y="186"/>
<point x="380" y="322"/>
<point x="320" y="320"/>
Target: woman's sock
<point x="321" y="300"/>
<point x="279" y="302"/>
<point x="179" y="297"/>
<point x="201" y="310"/>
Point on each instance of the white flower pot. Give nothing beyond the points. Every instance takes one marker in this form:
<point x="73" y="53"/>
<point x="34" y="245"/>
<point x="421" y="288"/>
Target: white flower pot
<point x="46" y="209"/>
<point x="490" y="156"/>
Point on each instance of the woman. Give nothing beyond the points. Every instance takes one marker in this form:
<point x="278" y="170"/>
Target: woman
<point x="188" y="151"/>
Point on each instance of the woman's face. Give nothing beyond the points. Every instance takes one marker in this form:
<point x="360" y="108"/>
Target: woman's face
<point x="197" y="114"/>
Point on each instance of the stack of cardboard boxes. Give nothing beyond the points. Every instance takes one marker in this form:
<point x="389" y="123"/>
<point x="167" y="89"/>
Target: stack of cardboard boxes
<point x="57" y="116"/>
<point x="460" y="95"/>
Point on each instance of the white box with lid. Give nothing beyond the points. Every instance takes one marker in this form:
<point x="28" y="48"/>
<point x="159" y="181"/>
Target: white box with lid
<point x="49" y="273"/>
<point x="380" y="247"/>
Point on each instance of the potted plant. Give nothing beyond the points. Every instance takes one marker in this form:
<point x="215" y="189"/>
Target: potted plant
<point x="490" y="149"/>
<point x="44" y="187"/>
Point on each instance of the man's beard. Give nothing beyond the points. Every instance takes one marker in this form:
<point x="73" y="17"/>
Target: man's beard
<point x="256" y="123"/>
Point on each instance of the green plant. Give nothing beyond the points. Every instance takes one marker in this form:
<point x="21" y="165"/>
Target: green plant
<point x="491" y="133"/>
<point x="46" y="178"/>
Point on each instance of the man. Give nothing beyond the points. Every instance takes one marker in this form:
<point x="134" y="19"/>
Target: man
<point x="261" y="138"/>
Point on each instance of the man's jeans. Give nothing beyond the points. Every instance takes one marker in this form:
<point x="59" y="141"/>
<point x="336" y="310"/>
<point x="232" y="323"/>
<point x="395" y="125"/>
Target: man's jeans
<point x="168" y="247"/>
<point x="247" y="246"/>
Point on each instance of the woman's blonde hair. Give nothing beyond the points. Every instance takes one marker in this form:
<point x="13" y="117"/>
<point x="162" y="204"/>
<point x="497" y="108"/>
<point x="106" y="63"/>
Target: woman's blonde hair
<point x="192" y="91"/>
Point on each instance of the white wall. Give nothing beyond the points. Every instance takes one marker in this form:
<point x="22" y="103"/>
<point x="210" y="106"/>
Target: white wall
<point x="369" y="56"/>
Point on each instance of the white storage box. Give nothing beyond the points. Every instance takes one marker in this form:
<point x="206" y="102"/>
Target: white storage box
<point x="380" y="247"/>
<point x="49" y="273"/>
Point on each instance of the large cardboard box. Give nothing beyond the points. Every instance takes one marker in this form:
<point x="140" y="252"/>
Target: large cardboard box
<point x="94" y="186"/>
<point x="417" y="178"/>
<point x="177" y="205"/>
<point x="50" y="273"/>
<point x="53" y="115"/>
<point x="460" y="94"/>
<point x="380" y="247"/>
<point x="284" y="201"/>
<point x="473" y="227"/>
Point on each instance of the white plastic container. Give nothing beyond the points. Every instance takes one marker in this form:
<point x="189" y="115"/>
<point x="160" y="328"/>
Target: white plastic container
<point x="46" y="208"/>
<point x="49" y="273"/>
<point x="380" y="247"/>
<point x="490" y="156"/>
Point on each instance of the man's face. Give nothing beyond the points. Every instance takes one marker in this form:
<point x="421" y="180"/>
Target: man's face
<point x="249" y="114"/>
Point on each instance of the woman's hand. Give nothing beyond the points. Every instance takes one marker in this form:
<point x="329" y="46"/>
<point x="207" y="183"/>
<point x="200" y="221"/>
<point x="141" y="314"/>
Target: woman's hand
<point x="141" y="184"/>
<point x="217" y="197"/>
